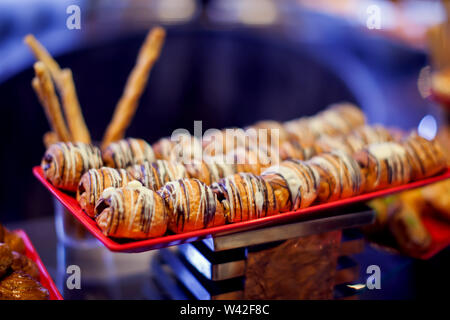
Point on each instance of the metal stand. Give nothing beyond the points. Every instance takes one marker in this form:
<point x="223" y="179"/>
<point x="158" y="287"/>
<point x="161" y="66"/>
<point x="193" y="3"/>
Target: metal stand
<point x="235" y="266"/>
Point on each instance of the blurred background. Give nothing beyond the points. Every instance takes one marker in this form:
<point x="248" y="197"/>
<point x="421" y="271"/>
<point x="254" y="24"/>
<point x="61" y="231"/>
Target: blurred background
<point x="227" y="63"/>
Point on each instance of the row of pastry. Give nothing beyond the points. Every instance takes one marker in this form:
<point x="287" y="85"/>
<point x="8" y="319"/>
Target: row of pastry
<point x="189" y="197"/>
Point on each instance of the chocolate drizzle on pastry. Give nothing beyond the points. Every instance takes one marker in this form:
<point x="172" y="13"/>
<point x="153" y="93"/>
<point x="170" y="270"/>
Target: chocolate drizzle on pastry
<point x="296" y="178"/>
<point x="64" y="163"/>
<point x="127" y="152"/>
<point x="192" y="205"/>
<point x="340" y="176"/>
<point x="132" y="212"/>
<point x="95" y="181"/>
<point x="154" y="175"/>
<point x="247" y="196"/>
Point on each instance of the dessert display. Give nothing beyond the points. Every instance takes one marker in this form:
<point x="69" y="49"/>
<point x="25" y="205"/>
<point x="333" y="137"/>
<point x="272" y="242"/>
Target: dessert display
<point x="137" y="190"/>
<point x="19" y="275"/>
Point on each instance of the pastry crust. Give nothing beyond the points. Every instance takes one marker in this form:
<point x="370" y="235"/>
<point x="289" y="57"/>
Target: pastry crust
<point x="340" y="176"/>
<point x="246" y="196"/>
<point x="23" y="263"/>
<point x="383" y="165"/>
<point x="95" y="181"/>
<point x="6" y="258"/>
<point x="20" y="286"/>
<point x="132" y="212"/>
<point x="209" y="171"/>
<point x="162" y="148"/>
<point x="156" y="174"/>
<point x="192" y="205"/>
<point x="295" y="184"/>
<point x="426" y="157"/>
<point x="65" y="163"/>
<point x="127" y="152"/>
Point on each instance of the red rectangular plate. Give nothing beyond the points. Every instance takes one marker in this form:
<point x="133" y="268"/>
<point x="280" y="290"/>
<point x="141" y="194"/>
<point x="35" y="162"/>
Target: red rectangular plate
<point x="169" y="240"/>
<point x="45" y="278"/>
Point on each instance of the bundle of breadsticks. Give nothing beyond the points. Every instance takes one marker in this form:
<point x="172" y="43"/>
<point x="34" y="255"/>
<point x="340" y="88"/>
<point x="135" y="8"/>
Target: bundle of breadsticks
<point x="136" y="190"/>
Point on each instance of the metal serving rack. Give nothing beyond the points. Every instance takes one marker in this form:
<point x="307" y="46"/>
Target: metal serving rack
<point x="219" y="267"/>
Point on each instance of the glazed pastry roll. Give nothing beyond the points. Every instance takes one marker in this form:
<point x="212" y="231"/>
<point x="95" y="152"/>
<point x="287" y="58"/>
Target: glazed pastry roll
<point x="186" y="149"/>
<point x="6" y="258"/>
<point x="246" y="196"/>
<point x="132" y="212"/>
<point x="95" y="181"/>
<point x="294" y="149"/>
<point x="270" y="132"/>
<point x="425" y="157"/>
<point x="65" y="163"/>
<point x="340" y="176"/>
<point x="127" y="152"/>
<point x="252" y="161"/>
<point x="23" y="263"/>
<point x="156" y="174"/>
<point x="355" y="141"/>
<point x="383" y="165"/>
<point x="209" y="170"/>
<point x="162" y="148"/>
<point x="192" y="205"/>
<point x="20" y="286"/>
<point x="295" y="184"/>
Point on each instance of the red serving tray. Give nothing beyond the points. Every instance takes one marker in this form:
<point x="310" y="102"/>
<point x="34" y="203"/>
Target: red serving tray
<point x="45" y="278"/>
<point x="169" y="240"/>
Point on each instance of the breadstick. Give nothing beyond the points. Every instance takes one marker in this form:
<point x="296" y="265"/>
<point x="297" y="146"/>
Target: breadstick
<point x="72" y="110"/>
<point x="42" y="54"/>
<point x="127" y="105"/>
<point x="49" y="139"/>
<point x="51" y="103"/>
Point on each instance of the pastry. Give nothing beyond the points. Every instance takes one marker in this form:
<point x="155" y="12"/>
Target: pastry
<point x="64" y="163"/>
<point x="6" y="258"/>
<point x="383" y="165"/>
<point x="295" y="184"/>
<point x="162" y="148"/>
<point x="209" y="170"/>
<point x="192" y="205"/>
<point x="437" y="196"/>
<point x="14" y="241"/>
<point x="23" y="263"/>
<point x="156" y="174"/>
<point x="20" y="286"/>
<point x="340" y="176"/>
<point x="246" y="196"/>
<point x="95" y="181"/>
<point x="127" y="152"/>
<point x="426" y="157"/>
<point x="132" y="212"/>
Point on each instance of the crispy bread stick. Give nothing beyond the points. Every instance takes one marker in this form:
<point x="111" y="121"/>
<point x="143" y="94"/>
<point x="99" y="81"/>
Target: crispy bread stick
<point x="127" y="105"/>
<point x="50" y="101"/>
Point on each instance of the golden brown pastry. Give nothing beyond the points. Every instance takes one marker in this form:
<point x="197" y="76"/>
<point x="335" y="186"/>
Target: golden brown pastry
<point x="295" y="184"/>
<point x="95" y="181"/>
<point x="354" y="141"/>
<point x="156" y="174"/>
<point x="64" y="163"/>
<point x="23" y="263"/>
<point x="14" y="241"/>
<point x="340" y="176"/>
<point x="270" y="132"/>
<point x="408" y="229"/>
<point x="383" y="165"/>
<point x="132" y="212"/>
<point x="245" y="160"/>
<point x="294" y="149"/>
<point x="192" y="205"/>
<point x="426" y="157"/>
<point x="437" y="196"/>
<point x="127" y="152"/>
<point x="20" y="286"/>
<point x="186" y="149"/>
<point x="6" y="258"/>
<point x="209" y="170"/>
<point x="162" y="148"/>
<point x="247" y="196"/>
